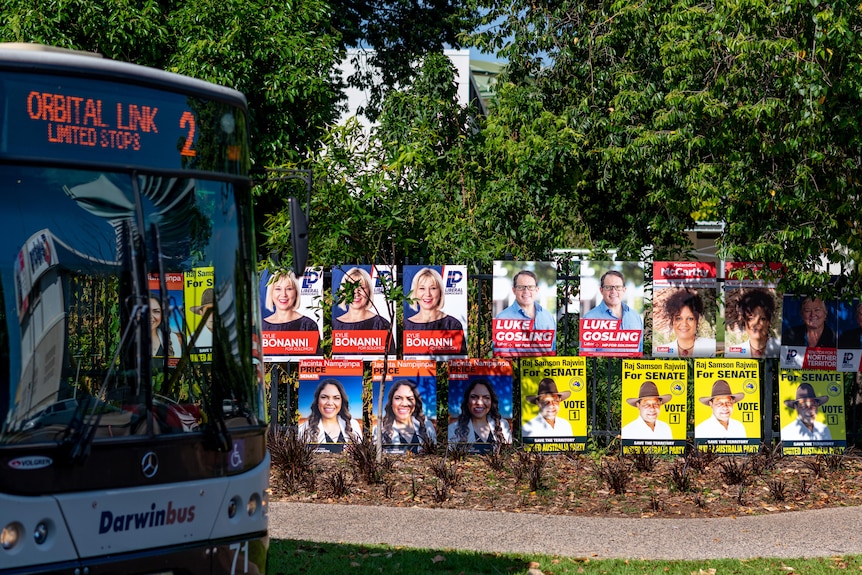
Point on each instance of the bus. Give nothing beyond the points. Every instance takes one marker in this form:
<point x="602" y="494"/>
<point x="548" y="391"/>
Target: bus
<point x="132" y="416"/>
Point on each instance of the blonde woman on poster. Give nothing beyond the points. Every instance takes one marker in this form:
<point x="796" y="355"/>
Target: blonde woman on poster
<point x="359" y="313"/>
<point x="547" y="424"/>
<point x="282" y="302"/>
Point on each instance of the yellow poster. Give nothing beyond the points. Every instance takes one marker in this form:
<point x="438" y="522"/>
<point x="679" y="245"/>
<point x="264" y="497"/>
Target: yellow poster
<point x="654" y="406"/>
<point x="811" y="407"/>
<point x="199" y="298"/>
<point x="727" y="407"/>
<point x="554" y="403"/>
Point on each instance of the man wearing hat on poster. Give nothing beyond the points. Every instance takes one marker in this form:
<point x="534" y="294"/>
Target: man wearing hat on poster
<point x="647" y="426"/>
<point x="205" y="337"/>
<point x="720" y="425"/>
<point x="547" y="424"/>
<point x="806" y="427"/>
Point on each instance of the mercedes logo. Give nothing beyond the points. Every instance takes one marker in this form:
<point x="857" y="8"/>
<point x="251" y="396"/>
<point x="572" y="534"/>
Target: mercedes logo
<point x="149" y="464"/>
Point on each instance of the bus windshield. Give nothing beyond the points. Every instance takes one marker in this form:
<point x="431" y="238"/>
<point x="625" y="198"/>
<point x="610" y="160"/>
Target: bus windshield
<point x="118" y="315"/>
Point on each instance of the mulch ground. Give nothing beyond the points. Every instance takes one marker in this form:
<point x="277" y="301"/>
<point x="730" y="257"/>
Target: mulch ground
<point x="566" y="484"/>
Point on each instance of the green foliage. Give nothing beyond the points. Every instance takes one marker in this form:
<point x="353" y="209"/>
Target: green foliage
<point x="291" y="556"/>
<point x="397" y="34"/>
<point x="743" y="112"/>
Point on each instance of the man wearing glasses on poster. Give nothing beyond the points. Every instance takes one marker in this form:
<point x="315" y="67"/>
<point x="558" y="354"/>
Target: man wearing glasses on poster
<point x="612" y="306"/>
<point x="525" y="287"/>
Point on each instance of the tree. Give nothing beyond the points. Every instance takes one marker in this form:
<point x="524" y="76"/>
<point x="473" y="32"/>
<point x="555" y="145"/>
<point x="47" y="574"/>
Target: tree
<point x="282" y="57"/>
<point x="738" y="111"/>
<point x="397" y="34"/>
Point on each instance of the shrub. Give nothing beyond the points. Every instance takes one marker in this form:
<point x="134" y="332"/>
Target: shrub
<point x="292" y="458"/>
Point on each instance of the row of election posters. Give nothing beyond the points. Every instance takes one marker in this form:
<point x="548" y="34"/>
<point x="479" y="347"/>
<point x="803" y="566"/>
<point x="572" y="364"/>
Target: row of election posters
<point x="181" y="316"/>
<point x="655" y="412"/>
<point x="686" y="314"/>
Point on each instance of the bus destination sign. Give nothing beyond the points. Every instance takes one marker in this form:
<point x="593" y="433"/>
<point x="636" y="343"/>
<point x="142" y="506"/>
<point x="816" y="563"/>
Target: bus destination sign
<point x="91" y="120"/>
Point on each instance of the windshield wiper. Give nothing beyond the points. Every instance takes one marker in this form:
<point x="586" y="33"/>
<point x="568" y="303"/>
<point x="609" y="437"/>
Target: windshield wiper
<point x="82" y="430"/>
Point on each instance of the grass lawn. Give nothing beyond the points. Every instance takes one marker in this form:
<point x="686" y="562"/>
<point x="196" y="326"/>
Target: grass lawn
<point x="303" y="557"/>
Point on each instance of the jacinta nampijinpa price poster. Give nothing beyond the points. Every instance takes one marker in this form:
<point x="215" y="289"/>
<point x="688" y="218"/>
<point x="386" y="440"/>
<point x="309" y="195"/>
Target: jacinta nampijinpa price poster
<point x="409" y="404"/>
<point x="727" y="407"/>
<point x="811" y="408"/>
<point x="480" y="403"/>
<point x="654" y="406"/>
<point x="554" y="403"/>
<point x="330" y="402"/>
<point x="172" y="314"/>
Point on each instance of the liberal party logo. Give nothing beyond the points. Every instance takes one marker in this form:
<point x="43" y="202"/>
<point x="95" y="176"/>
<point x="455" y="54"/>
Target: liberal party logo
<point x="310" y="278"/>
<point x="381" y="280"/>
<point x="453" y="277"/>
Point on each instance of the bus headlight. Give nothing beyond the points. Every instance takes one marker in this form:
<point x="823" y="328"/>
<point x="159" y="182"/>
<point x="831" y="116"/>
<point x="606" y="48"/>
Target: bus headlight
<point x="253" y="504"/>
<point x="40" y="534"/>
<point x="10" y="535"/>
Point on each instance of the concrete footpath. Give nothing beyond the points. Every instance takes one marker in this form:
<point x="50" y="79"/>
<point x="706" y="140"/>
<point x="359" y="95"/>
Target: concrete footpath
<point x="824" y="532"/>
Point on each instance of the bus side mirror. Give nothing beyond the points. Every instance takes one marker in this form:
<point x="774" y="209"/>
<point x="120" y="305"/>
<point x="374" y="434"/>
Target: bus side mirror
<point x="298" y="236"/>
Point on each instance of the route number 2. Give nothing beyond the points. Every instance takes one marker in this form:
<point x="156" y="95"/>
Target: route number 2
<point x="187" y="120"/>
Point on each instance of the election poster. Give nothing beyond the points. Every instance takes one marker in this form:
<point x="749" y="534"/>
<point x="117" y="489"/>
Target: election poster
<point x="525" y="309"/>
<point x="361" y="319"/>
<point x="752" y="311"/>
<point x="480" y="403"/>
<point x="554" y="403"/>
<point x="727" y="406"/>
<point x="684" y="309"/>
<point x="330" y="402"/>
<point x="166" y="317"/>
<point x="435" y="312"/>
<point x="612" y="303"/>
<point x="199" y="298"/>
<point x="409" y="404"/>
<point x="849" y="335"/>
<point x="654" y="406"/>
<point x="292" y="315"/>
<point x="811" y="407"/>
<point x="808" y="333"/>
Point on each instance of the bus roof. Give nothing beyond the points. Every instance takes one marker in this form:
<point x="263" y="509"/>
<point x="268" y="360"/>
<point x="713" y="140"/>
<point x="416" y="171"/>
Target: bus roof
<point x="39" y="57"/>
